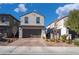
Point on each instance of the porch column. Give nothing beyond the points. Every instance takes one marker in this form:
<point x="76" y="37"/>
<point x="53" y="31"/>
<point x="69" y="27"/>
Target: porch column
<point x="20" y="32"/>
<point x="51" y="35"/>
<point x="43" y="33"/>
<point x="67" y="31"/>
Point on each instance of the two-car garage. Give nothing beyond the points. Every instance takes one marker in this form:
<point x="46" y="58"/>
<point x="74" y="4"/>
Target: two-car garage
<point x="31" y="33"/>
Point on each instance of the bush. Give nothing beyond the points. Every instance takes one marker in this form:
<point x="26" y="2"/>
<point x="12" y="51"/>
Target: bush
<point x="47" y="40"/>
<point x="52" y="40"/>
<point x="76" y="42"/>
<point x="68" y="41"/>
<point x="63" y="38"/>
<point x="43" y="37"/>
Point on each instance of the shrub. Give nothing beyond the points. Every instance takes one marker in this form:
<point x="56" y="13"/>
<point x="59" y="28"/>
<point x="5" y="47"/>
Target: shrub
<point x="43" y="37"/>
<point x="52" y="40"/>
<point x="76" y="42"/>
<point x="68" y="41"/>
<point x="63" y="38"/>
<point x="47" y="40"/>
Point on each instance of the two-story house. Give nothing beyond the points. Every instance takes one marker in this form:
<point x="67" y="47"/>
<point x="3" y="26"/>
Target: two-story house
<point x="6" y="20"/>
<point x="59" y="27"/>
<point x="31" y="25"/>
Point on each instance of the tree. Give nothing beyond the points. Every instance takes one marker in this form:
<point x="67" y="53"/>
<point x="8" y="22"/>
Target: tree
<point x="13" y="25"/>
<point x="73" y="21"/>
<point x="15" y="28"/>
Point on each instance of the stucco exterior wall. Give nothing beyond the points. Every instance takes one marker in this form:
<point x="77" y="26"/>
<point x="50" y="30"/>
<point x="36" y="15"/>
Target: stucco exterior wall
<point x="60" y="25"/>
<point x="64" y="31"/>
<point x="32" y="23"/>
<point x="32" y="19"/>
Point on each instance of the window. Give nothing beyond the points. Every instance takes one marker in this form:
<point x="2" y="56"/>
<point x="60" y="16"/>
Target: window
<point x="38" y="20"/>
<point x="26" y="19"/>
<point x="4" y="18"/>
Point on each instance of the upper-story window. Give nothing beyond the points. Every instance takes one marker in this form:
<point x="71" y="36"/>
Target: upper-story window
<point x="4" y="18"/>
<point x="38" y="20"/>
<point x="26" y="19"/>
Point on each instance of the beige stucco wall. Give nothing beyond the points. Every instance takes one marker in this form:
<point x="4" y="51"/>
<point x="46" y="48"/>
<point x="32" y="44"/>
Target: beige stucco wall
<point x="32" y="19"/>
<point x="60" y="25"/>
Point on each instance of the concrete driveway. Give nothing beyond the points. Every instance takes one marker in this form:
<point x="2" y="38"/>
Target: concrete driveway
<point x="28" y="42"/>
<point x="35" y="42"/>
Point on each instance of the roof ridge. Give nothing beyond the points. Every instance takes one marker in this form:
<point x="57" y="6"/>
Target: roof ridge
<point x="31" y="12"/>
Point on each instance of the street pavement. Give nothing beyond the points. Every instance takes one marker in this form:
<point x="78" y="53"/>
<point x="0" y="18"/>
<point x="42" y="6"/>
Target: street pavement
<point x="23" y="50"/>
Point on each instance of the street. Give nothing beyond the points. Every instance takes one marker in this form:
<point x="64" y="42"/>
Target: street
<point x="39" y="50"/>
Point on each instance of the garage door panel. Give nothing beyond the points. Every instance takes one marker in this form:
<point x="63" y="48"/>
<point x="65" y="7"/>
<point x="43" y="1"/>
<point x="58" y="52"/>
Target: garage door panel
<point x="31" y="32"/>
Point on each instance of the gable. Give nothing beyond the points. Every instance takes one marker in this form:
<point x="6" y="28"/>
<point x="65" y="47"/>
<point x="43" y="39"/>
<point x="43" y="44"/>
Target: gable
<point x="32" y="14"/>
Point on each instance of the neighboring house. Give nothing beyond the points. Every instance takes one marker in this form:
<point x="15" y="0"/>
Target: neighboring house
<point x="49" y="30"/>
<point x="59" y="27"/>
<point x="52" y="25"/>
<point x="31" y="25"/>
<point x="5" y="24"/>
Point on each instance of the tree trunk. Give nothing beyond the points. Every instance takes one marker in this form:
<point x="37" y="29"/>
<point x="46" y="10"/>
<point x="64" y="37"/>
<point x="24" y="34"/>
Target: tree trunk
<point x="78" y="34"/>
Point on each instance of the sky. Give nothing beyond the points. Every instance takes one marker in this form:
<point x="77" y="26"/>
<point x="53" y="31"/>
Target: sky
<point x="51" y="11"/>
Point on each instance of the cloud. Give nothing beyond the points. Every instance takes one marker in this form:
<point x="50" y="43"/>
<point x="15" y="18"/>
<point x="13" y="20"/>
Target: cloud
<point x="63" y="11"/>
<point x="34" y="10"/>
<point x="20" y="8"/>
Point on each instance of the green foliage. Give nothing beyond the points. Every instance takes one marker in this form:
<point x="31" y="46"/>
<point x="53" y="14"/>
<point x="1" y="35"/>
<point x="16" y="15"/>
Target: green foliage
<point x="14" y="30"/>
<point x="69" y="41"/>
<point x="73" y="21"/>
<point x="63" y="38"/>
<point x="76" y="42"/>
<point x="13" y="25"/>
<point x="11" y="21"/>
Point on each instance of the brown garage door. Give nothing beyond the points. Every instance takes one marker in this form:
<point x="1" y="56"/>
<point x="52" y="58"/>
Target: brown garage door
<point x="31" y="33"/>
